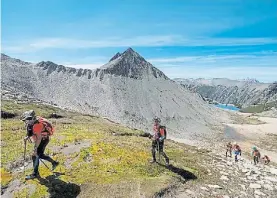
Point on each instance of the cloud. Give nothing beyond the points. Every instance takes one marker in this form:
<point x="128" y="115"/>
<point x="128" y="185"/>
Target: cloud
<point x="263" y="74"/>
<point x="250" y="59"/>
<point x="261" y="66"/>
<point x="138" y="41"/>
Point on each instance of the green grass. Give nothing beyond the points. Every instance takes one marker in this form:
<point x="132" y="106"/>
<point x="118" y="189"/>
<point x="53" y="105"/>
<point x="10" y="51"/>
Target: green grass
<point x="116" y="155"/>
<point x="259" y="108"/>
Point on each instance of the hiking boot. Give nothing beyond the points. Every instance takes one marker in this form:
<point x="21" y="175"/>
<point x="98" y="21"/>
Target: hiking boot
<point x="54" y="165"/>
<point x="32" y="176"/>
<point x="153" y="161"/>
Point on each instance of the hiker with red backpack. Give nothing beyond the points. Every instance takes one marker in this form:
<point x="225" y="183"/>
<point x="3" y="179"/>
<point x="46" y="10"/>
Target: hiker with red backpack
<point x="40" y="130"/>
<point x="158" y="140"/>
<point x="237" y="151"/>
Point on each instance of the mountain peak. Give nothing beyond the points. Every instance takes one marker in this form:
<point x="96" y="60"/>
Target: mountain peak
<point x="130" y="50"/>
<point x="131" y="64"/>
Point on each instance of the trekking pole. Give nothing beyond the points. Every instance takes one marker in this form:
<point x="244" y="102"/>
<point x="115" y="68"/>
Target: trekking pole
<point x="44" y="164"/>
<point x="24" y="156"/>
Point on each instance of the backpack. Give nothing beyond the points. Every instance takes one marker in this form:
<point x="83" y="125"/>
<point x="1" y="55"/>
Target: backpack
<point x="48" y="128"/>
<point x="163" y="131"/>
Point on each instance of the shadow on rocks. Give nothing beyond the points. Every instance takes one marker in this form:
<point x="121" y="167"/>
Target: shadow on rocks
<point x="181" y="172"/>
<point x="58" y="188"/>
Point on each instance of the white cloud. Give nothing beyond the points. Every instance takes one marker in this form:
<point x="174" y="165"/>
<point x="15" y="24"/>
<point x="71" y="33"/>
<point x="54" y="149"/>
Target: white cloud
<point x="143" y="41"/>
<point x="250" y="59"/>
<point x="262" y="66"/>
<point x="263" y="74"/>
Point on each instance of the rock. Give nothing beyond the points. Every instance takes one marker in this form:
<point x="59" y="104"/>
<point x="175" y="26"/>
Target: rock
<point x="229" y="164"/>
<point x="224" y="173"/>
<point x="243" y="193"/>
<point x="225" y="196"/>
<point x="268" y="187"/>
<point x="257" y="192"/>
<point x="244" y="170"/>
<point x="6" y="115"/>
<point x="215" y="186"/>
<point x="273" y="171"/>
<point x="273" y="179"/>
<point x="242" y="186"/>
<point x="204" y="188"/>
<point x="248" y="173"/>
<point x="190" y="192"/>
<point x="256" y="186"/>
<point x="223" y="177"/>
<point x="260" y="182"/>
<point x="251" y="178"/>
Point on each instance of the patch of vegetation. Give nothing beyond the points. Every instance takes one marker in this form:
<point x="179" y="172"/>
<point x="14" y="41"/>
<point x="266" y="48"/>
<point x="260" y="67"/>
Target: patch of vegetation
<point x="246" y="120"/>
<point x="259" y="107"/>
<point x="115" y="155"/>
<point x="5" y="178"/>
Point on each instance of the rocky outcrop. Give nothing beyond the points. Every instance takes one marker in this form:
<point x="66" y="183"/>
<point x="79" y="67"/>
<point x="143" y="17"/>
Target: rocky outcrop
<point x="232" y="179"/>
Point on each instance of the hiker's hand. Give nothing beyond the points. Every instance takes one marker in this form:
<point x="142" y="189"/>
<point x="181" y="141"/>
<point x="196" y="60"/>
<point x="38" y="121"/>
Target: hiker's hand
<point x="35" y="154"/>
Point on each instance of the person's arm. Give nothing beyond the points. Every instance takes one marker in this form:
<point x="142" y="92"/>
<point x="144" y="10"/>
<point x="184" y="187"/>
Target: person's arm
<point x="37" y="142"/>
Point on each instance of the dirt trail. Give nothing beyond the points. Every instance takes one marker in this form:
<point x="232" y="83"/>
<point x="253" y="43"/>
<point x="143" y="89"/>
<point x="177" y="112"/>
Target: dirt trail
<point x="264" y="136"/>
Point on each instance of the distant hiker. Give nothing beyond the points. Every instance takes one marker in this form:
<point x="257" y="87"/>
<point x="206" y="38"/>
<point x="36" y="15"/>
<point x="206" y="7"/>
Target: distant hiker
<point x="266" y="159"/>
<point x="39" y="129"/>
<point x="229" y="147"/>
<point x="158" y="140"/>
<point x="237" y="150"/>
<point x="256" y="155"/>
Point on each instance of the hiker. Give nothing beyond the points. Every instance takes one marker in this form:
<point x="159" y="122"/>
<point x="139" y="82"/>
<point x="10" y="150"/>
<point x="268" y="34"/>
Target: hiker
<point x="256" y="155"/>
<point x="158" y="140"/>
<point x="237" y="150"/>
<point x="229" y="147"/>
<point x="39" y="129"/>
<point x="266" y="159"/>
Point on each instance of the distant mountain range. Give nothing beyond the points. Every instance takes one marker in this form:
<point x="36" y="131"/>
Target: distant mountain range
<point x="128" y="90"/>
<point x="239" y="92"/>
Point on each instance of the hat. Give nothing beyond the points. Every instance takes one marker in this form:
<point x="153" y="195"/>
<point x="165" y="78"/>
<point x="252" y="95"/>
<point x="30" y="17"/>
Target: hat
<point x="28" y="115"/>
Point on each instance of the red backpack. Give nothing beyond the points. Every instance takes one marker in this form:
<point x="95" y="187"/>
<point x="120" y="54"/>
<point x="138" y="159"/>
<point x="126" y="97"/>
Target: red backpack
<point x="48" y="128"/>
<point x="163" y="131"/>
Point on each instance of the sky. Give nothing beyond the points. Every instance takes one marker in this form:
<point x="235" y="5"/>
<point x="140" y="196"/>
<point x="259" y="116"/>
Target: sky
<point x="234" y="39"/>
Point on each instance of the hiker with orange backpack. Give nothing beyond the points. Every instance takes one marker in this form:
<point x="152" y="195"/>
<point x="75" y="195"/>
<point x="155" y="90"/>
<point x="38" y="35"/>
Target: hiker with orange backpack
<point x="158" y="140"/>
<point x="40" y="130"/>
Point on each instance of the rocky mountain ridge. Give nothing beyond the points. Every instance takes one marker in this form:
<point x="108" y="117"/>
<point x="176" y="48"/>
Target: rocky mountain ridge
<point x="243" y="93"/>
<point x="127" y="90"/>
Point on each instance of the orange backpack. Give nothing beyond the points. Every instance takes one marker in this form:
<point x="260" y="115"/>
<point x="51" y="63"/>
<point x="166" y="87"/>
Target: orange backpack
<point x="163" y="131"/>
<point x="48" y="128"/>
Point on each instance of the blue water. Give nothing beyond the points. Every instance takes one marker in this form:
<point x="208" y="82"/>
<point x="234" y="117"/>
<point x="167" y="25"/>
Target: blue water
<point x="229" y="107"/>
